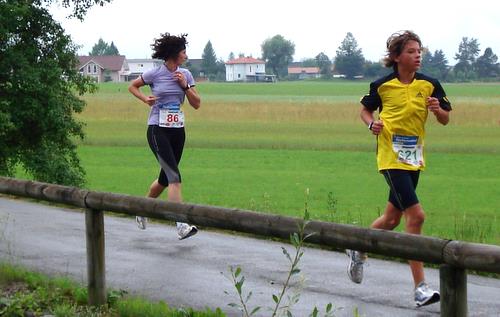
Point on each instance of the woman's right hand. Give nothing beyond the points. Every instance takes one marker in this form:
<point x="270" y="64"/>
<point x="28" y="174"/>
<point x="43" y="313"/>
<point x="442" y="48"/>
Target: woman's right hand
<point x="150" y="100"/>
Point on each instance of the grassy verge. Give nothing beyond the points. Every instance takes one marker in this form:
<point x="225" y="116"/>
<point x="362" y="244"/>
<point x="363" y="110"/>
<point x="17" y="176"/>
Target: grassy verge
<point x="461" y="200"/>
<point x="26" y="293"/>
<point x="259" y="146"/>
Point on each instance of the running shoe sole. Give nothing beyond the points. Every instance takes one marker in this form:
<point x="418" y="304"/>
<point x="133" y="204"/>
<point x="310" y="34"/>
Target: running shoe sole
<point x="350" y="254"/>
<point x="141" y="222"/>
<point x="431" y="300"/>
<point x="191" y="233"/>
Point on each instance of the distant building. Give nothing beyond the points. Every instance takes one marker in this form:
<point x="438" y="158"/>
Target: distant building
<point x="298" y="72"/>
<point x="138" y="66"/>
<point x="195" y="67"/>
<point x="117" y="68"/>
<point x="247" y="69"/>
<point x="104" y="68"/>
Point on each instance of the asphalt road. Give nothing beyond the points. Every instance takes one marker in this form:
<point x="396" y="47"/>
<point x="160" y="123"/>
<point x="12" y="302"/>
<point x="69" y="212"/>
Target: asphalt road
<point x="156" y="265"/>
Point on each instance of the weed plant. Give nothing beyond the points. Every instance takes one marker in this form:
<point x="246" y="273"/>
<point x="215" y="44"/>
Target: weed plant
<point x="286" y="297"/>
<point x="24" y="293"/>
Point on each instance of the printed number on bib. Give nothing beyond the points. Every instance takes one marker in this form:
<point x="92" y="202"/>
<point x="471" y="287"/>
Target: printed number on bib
<point x="408" y="150"/>
<point x="171" y="116"/>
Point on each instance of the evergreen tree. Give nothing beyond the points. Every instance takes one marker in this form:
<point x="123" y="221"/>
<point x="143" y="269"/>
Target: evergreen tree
<point x="434" y="65"/>
<point x="440" y="63"/>
<point x="220" y="74"/>
<point x="112" y="50"/>
<point x="103" y="48"/>
<point x="427" y="63"/>
<point x="486" y="65"/>
<point x="349" y="60"/>
<point x="209" y="60"/>
<point x="100" y="48"/>
<point x="468" y="50"/>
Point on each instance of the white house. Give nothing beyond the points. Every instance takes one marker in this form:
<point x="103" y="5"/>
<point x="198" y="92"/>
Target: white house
<point x="139" y="66"/>
<point x="247" y="69"/>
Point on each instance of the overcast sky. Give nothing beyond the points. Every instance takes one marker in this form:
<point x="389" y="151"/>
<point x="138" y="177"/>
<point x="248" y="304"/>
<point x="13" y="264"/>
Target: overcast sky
<point x="314" y="26"/>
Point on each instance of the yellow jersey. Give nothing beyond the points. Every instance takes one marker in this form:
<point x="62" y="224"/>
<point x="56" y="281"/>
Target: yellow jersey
<point x="403" y="110"/>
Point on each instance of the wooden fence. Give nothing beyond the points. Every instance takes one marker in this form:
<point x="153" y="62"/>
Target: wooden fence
<point x="454" y="257"/>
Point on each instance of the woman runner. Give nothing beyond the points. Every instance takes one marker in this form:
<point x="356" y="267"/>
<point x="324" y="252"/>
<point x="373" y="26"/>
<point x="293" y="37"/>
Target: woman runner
<point x="170" y="85"/>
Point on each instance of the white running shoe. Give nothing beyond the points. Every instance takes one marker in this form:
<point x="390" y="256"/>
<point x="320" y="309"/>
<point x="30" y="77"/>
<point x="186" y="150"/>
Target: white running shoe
<point x="141" y="222"/>
<point x="355" y="267"/>
<point x="185" y="231"/>
<point x="424" y="295"/>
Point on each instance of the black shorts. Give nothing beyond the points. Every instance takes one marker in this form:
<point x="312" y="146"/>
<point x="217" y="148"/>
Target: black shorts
<point x="402" y="185"/>
<point x="167" y="145"/>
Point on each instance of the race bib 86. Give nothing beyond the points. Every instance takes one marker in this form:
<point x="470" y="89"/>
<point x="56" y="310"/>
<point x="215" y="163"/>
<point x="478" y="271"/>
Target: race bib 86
<point x="171" y="116"/>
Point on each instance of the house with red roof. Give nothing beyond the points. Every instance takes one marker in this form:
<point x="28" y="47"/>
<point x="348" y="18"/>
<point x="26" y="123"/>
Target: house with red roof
<point x="104" y="68"/>
<point x="298" y="72"/>
<point x="247" y="69"/>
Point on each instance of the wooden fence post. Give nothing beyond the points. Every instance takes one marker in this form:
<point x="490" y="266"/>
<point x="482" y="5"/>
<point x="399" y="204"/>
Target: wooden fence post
<point x="96" y="269"/>
<point x="453" y="288"/>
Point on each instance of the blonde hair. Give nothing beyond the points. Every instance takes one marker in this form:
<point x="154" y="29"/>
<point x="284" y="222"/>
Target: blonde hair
<point x="395" y="45"/>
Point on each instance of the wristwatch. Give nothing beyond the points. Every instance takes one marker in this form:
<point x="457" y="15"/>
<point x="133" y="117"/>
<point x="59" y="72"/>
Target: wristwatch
<point x="370" y="126"/>
<point x="188" y="86"/>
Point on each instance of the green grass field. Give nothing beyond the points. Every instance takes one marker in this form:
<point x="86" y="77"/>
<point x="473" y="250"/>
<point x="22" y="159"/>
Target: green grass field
<point x="260" y="146"/>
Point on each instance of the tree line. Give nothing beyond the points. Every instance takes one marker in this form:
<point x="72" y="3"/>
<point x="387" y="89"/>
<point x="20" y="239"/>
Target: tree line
<point x="349" y="61"/>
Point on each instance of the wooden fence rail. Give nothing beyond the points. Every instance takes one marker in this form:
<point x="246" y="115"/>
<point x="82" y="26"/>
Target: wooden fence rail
<point x="454" y="256"/>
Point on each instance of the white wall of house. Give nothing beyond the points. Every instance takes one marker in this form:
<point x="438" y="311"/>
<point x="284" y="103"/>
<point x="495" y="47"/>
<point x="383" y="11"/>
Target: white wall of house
<point x="239" y="72"/>
<point x="93" y="70"/>
<point x="139" y="66"/>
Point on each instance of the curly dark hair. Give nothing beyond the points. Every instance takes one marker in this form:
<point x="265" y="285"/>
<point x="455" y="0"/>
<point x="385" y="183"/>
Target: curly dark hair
<point x="168" y="46"/>
<point x="395" y="45"/>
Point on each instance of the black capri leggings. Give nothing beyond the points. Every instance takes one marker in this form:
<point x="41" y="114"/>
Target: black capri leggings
<point x="167" y="145"/>
<point x="402" y="186"/>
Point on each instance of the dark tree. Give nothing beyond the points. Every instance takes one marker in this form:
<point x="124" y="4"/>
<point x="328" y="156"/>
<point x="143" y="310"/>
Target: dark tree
<point x="39" y="88"/>
<point x="209" y="60"/>
<point x="278" y="53"/>
<point x="112" y="49"/>
<point x="309" y="62"/>
<point x="440" y="63"/>
<point x="325" y="65"/>
<point x="468" y="50"/>
<point x="103" y="48"/>
<point x="375" y="69"/>
<point x="99" y="48"/>
<point x="486" y="65"/>
<point x="349" y="60"/>
<point x="426" y="62"/>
